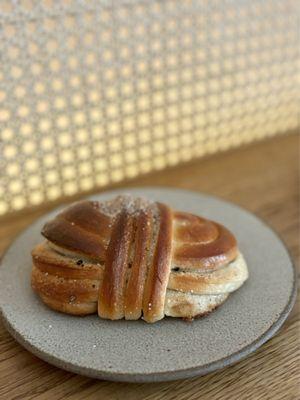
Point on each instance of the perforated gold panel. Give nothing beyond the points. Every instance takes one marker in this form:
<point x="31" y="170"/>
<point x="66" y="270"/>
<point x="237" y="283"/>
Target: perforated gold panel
<point x="92" y="92"/>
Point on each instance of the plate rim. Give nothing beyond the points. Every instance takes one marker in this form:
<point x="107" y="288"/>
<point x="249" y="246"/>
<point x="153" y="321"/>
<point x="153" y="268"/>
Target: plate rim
<point x="164" y="375"/>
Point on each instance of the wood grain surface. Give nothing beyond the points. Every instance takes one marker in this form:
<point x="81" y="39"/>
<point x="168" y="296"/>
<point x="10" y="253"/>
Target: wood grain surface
<point x="262" y="177"/>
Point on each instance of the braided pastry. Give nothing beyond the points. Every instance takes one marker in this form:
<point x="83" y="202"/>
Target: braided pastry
<point x="131" y="258"/>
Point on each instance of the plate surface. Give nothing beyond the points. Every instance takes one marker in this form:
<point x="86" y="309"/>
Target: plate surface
<point x="170" y="349"/>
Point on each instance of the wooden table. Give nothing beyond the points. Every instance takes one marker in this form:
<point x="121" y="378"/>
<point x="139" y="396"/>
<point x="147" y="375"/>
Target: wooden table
<point x="261" y="177"/>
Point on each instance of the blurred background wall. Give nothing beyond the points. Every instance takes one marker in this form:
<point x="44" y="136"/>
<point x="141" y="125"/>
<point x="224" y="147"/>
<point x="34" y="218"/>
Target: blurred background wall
<point x="95" y="92"/>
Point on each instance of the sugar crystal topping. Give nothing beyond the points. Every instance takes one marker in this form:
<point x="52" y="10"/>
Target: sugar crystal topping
<point x="131" y="204"/>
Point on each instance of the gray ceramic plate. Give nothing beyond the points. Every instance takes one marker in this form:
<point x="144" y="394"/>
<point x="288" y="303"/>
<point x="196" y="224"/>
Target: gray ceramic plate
<point x="170" y="349"/>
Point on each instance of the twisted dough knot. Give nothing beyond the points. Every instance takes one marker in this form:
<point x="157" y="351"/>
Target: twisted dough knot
<point x="140" y="259"/>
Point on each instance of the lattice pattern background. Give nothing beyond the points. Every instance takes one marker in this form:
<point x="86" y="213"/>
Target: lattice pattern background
<point x="92" y="92"/>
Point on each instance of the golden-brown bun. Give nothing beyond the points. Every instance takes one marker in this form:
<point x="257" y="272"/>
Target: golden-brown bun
<point x="130" y="258"/>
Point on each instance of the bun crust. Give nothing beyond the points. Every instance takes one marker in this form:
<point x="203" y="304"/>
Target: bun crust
<point x="131" y="258"/>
